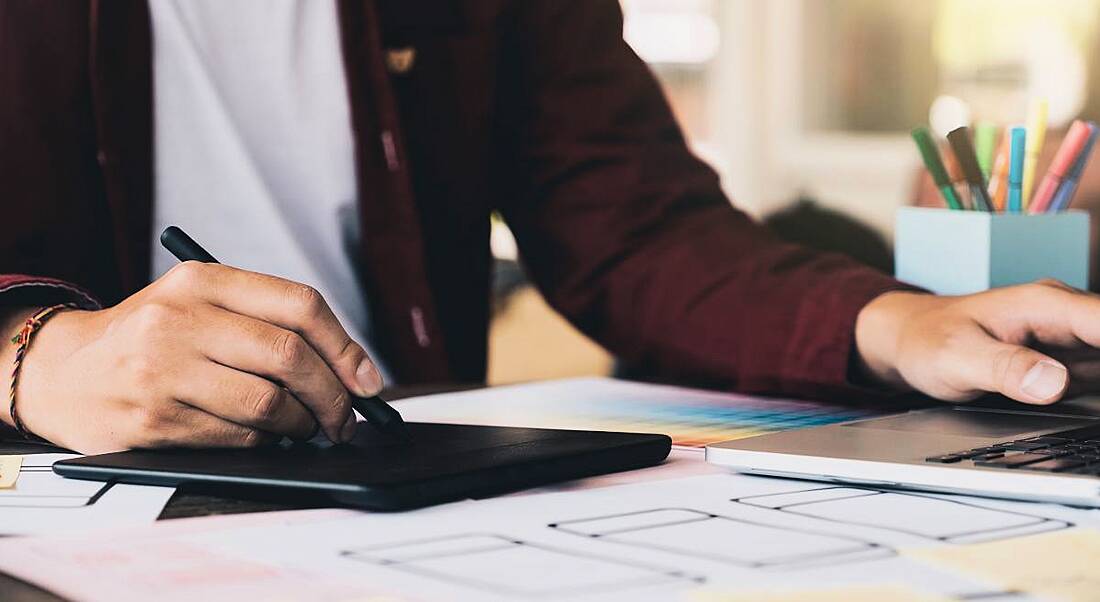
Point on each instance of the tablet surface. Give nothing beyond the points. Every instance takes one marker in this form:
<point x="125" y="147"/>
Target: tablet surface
<point x="444" y="462"/>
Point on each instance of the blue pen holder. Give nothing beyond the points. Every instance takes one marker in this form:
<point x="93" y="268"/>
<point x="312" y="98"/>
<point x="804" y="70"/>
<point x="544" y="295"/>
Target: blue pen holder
<point x="960" y="252"/>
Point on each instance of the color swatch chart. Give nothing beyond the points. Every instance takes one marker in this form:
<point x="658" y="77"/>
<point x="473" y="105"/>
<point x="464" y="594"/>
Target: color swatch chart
<point x="693" y="418"/>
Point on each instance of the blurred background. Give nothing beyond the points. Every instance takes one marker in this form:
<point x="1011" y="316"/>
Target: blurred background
<point x="804" y="108"/>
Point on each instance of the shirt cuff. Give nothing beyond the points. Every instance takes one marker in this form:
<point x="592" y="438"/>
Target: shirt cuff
<point x="20" y="290"/>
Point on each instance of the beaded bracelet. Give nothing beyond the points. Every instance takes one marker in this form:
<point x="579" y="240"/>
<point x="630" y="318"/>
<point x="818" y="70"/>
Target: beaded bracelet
<point x="23" y="340"/>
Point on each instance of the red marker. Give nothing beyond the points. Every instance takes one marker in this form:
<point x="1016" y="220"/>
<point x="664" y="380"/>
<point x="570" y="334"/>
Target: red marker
<point x="1066" y="156"/>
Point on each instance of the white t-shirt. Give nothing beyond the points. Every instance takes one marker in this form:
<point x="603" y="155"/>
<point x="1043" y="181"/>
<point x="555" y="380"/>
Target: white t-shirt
<point x="253" y="141"/>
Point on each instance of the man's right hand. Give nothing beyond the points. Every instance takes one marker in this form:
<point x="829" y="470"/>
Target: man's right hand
<point x="206" y="356"/>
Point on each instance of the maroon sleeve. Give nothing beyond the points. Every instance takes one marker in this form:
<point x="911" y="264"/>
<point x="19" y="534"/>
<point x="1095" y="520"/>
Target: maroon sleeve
<point x="19" y="290"/>
<point x="629" y="235"/>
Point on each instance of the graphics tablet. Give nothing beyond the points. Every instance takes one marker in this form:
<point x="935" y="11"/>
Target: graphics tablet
<point x="445" y="462"/>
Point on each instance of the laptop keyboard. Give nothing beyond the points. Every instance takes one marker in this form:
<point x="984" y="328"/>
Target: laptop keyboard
<point x="1075" y="451"/>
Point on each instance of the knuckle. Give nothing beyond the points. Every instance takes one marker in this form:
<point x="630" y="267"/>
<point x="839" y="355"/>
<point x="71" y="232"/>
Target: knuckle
<point x="252" y="438"/>
<point x="186" y="274"/>
<point x="1003" y="364"/>
<point x="1043" y="288"/>
<point x="153" y="317"/>
<point x="289" y="350"/>
<point x="1052" y="282"/>
<point x="351" y="353"/>
<point x="265" y="404"/>
<point x="340" y="403"/>
<point x="307" y="299"/>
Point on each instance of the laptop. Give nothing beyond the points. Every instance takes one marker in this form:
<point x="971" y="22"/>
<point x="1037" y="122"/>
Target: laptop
<point x="1024" y="455"/>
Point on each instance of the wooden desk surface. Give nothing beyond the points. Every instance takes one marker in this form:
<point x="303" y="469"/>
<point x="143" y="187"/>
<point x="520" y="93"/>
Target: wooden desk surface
<point x="182" y="504"/>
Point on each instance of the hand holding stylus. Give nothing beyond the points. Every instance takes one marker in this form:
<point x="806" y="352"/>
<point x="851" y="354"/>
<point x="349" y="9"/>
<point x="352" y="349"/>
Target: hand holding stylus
<point x="208" y="355"/>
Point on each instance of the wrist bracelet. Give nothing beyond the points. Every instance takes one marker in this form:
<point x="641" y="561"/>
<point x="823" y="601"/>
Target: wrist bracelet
<point x="23" y="340"/>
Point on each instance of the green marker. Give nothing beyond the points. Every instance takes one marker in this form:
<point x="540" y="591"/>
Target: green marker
<point x="931" y="156"/>
<point x="985" y="139"/>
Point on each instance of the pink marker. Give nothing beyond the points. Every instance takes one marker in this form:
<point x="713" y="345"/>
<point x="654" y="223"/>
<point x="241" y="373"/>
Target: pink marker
<point x="1064" y="159"/>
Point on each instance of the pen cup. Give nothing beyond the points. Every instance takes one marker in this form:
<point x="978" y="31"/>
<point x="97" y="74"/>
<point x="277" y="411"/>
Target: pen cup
<point x="960" y="252"/>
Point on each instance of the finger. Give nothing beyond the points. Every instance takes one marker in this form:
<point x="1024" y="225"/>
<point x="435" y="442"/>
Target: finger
<point x="1014" y="371"/>
<point x="247" y="400"/>
<point x="186" y="426"/>
<point x="292" y="306"/>
<point x="1054" y="313"/>
<point x="278" y="355"/>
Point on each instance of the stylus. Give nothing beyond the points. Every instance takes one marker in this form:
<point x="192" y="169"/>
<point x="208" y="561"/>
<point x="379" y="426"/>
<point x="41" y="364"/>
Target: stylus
<point x="374" y="409"/>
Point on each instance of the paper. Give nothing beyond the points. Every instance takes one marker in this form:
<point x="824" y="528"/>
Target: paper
<point x="42" y="502"/>
<point x="659" y="540"/>
<point x="693" y="418"/>
<point x="1061" y="565"/>
<point x="9" y="470"/>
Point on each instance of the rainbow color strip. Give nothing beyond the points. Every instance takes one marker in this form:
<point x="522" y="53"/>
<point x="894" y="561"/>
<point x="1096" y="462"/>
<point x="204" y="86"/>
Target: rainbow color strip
<point x="693" y="418"/>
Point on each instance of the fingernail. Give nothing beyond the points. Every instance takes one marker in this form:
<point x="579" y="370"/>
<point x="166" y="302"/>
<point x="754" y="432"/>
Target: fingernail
<point x="1045" y="380"/>
<point x="347" y="433"/>
<point x="369" y="378"/>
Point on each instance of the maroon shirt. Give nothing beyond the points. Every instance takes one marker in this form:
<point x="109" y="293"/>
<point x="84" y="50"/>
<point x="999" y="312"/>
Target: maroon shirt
<point x="535" y="108"/>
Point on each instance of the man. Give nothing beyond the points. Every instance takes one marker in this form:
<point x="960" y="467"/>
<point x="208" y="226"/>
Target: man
<point x="360" y="146"/>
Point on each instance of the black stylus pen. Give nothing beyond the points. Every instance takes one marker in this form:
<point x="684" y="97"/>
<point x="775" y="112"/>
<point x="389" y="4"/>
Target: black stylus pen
<point x="374" y="409"/>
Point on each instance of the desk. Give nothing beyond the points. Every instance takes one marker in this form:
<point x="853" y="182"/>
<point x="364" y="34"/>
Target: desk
<point x="182" y="504"/>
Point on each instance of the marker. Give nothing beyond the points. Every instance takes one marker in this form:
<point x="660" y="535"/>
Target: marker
<point x="985" y="141"/>
<point x="955" y="174"/>
<point x="374" y="409"/>
<point x="1036" y="133"/>
<point x="1064" y="196"/>
<point x="968" y="161"/>
<point x="1015" y="202"/>
<point x="931" y="157"/>
<point x="1063" y="162"/>
<point x="998" y="180"/>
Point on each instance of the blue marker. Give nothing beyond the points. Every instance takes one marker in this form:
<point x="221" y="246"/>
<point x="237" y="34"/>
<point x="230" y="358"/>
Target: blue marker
<point x="1064" y="196"/>
<point x="1015" y="202"/>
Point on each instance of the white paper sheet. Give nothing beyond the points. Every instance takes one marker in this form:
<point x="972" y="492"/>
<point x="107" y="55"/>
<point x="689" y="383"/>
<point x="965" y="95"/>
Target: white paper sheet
<point x="42" y="502"/>
<point x="659" y="540"/>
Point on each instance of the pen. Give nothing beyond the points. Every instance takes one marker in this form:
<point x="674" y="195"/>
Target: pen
<point x="1036" y="133"/>
<point x="1016" y="170"/>
<point x="1064" y="196"/>
<point x="985" y="142"/>
<point x="968" y="162"/>
<point x="374" y="409"/>
<point x="1063" y="162"/>
<point x="998" y="180"/>
<point x="927" y="147"/>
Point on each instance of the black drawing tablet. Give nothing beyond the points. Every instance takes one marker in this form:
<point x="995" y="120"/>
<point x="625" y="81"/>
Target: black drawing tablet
<point x="445" y="462"/>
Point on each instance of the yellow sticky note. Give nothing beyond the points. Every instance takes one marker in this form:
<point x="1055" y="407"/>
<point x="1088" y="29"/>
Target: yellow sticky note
<point x="859" y="593"/>
<point x="9" y="470"/>
<point x="1061" y="565"/>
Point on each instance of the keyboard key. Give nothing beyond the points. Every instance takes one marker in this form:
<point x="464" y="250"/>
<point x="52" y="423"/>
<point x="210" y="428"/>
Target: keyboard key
<point x="970" y="453"/>
<point x="981" y="451"/>
<point x="1080" y="434"/>
<point x="1011" y="460"/>
<point x="945" y="459"/>
<point x="1055" y="464"/>
<point x="1026" y="445"/>
<point x="1048" y="440"/>
<point x="1052" y="452"/>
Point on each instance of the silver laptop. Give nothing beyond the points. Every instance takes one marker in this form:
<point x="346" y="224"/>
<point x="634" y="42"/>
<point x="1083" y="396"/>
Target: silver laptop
<point x="1025" y="455"/>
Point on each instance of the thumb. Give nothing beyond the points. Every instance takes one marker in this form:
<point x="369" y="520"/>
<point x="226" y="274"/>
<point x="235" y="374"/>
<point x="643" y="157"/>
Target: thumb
<point x="1018" y="372"/>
